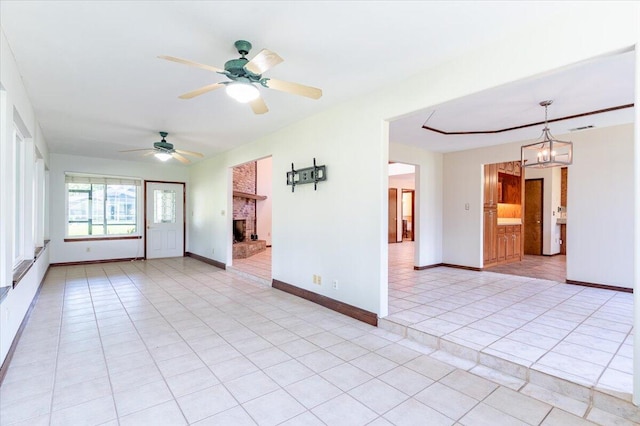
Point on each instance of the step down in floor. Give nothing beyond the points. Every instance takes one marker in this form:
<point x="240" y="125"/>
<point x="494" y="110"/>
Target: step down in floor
<point x="576" y="398"/>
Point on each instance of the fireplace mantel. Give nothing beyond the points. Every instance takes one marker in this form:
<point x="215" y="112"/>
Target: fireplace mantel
<point x="250" y="196"/>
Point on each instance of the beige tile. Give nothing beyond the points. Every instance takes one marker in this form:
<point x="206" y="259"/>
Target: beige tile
<point x="448" y="401"/>
<point x="167" y="413"/>
<point x="469" y="384"/>
<point x="313" y="391"/>
<point x="191" y="381"/>
<point x="273" y="408"/>
<point x="344" y="409"/>
<point x="558" y="417"/>
<point x="485" y="415"/>
<point x="601" y="417"/>
<point x="406" y="380"/>
<point x="517" y="405"/>
<point x="235" y="416"/>
<point x="96" y="411"/>
<point x="378" y="395"/>
<point x="251" y="386"/>
<point x="565" y="403"/>
<point x="430" y="367"/>
<point x="205" y="403"/>
<point x="412" y="412"/>
<point x="139" y="398"/>
<point x="346" y="376"/>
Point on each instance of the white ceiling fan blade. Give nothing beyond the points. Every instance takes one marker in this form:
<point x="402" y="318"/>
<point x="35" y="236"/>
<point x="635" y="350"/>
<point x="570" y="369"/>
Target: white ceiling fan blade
<point x="258" y="106"/>
<point x="201" y="91"/>
<point x="180" y="158"/>
<point x="263" y="61"/>
<point x="151" y="152"/>
<point x="133" y="150"/>
<point x="195" y="154"/>
<point x="191" y="63"/>
<point x="294" y="88"/>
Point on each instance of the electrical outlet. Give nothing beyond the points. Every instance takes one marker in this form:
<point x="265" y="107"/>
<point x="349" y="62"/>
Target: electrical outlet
<point x="319" y="280"/>
<point x="466" y="206"/>
<point x="335" y="284"/>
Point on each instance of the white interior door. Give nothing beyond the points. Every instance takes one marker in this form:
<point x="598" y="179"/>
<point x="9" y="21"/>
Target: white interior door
<point x="165" y="219"/>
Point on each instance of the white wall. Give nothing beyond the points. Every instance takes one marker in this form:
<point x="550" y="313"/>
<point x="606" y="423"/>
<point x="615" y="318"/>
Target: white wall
<point x="334" y="231"/>
<point x="14" y="100"/>
<point x="600" y="207"/>
<point x="62" y="252"/>
<point x="551" y="191"/>
<point x="264" y="177"/>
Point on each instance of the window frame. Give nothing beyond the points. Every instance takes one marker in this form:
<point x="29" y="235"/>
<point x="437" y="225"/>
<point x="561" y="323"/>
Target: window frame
<point x="104" y="181"/>
<point x="19" y="218"/>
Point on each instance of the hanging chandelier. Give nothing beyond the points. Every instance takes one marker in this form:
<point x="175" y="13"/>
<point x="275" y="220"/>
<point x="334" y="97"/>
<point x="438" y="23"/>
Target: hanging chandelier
<point x="548" y="152"/>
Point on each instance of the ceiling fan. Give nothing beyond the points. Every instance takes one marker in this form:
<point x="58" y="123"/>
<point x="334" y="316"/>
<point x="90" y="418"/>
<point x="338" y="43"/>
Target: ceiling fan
<point x="164" y="150"/>
<point x="245" y="75"/>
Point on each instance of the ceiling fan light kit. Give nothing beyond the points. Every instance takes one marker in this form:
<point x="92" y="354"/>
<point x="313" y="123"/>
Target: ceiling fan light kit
<point x="162" y="156"/>
<point x="547" y="152"/>
<point x="164" y="151"/>
<point x="246" y="76"/>
<point x="242" y="92"/>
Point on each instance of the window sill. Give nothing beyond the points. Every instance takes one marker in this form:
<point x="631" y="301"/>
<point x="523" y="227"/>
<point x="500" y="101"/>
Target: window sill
<point x="75" y="240"/>
<point x="21" y="270"/>
<point x="3" y="292"/>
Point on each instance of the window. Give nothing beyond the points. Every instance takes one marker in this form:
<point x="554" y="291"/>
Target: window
<point x="18" y="197"/>
<point x="101" y="206"/>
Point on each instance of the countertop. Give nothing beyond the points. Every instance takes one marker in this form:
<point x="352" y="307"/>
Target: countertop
<point x="509" y="221"/>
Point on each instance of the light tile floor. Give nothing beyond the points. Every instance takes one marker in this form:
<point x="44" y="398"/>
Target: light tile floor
<point x="580" y="334"/>
<point x="177" y="341"/>
<point x="258" y="265"/>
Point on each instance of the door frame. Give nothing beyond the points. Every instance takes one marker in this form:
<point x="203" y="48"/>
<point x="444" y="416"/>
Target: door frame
<point x="184" y="211"/>
<point x="541" y="213"/>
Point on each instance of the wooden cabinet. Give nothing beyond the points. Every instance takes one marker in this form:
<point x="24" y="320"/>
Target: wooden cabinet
<point x="517" y="168"/>
<point x="509" y="243"/>
<point x="502" y="244"/>
<point x="490" y="185"/>
<point x="490" y="252"/>
<point x="502" y="184"/>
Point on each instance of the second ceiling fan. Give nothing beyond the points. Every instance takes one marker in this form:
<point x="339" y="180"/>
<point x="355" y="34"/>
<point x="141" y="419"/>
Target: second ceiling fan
<point x="245" y="75"/>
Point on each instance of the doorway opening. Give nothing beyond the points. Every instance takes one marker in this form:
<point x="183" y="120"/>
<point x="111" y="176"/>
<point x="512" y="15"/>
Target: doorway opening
<point x="544" y="226"/>
<point x="402" y="218"/>
<point x="251" y="222"/>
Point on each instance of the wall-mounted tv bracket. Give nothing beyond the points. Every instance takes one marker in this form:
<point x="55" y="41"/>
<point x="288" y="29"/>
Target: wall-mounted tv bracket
<point x="313" y="175"/>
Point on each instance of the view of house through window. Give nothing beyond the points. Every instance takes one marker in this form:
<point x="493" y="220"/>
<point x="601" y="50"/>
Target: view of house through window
<point x="100" y="207"/>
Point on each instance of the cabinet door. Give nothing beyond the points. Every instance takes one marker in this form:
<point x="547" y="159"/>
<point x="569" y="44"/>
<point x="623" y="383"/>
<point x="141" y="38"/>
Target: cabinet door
<point x="502" y="244"/>
<point x="509" y="242"/>
<point x="517" y="242"/>
<point x="489" y="237"/>
<point x="490" y="185"/>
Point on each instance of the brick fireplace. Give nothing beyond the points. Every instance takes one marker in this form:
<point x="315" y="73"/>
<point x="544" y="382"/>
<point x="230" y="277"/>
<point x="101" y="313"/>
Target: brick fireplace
<point x="244" y="212"/>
